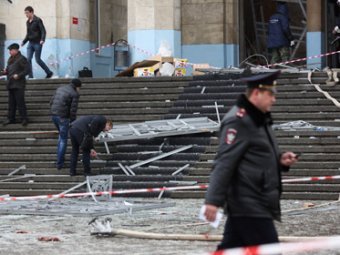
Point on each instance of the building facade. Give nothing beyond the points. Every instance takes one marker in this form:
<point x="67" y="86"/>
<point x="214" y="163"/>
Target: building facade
<point x="222" y="33"/>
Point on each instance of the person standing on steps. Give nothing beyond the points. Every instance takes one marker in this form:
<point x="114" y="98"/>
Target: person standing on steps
<point x="64" y="106"/>
<point x="280" y="37"/>
<point x="35" y="36"/>
<point x="16" y="71"/>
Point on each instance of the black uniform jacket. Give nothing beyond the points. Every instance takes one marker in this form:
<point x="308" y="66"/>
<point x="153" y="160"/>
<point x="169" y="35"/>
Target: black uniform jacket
<point x="88" y="127"/>
<point x="36" y="31"/>
<point x="64" y="102"/>
<point x="246" y="176"/>
<point x="17" y="64"/>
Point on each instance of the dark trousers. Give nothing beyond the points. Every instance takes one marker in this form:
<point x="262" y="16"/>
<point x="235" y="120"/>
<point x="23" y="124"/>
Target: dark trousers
<point x="246" y="231"/>
<point x="16" y="99"/>
<point x="76" y="139"/>
<point x="36" y="48"/>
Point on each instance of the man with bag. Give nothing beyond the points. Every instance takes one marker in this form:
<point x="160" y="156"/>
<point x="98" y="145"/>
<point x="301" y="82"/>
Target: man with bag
<point x="82" y="133"/>
<point x="64" y="106"/>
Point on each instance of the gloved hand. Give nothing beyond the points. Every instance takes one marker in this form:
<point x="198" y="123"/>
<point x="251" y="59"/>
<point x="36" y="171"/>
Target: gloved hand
<point x="292" y="43"/>
<point x="336" y="30"/>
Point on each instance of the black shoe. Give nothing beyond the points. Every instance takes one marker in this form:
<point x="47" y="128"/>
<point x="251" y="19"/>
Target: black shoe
<point x="49" y="75"/>
<point x="87" y="174"/>
<point x="5" y="123"/>
<point x="73" y="174"/>
<point x="24" y="123"/>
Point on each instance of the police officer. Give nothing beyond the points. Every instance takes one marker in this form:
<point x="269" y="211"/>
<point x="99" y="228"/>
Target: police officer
<point x="16" y="70"/>
<point x="64" y="106"/>
<point x="82" y="132"/>
<point x="246" y="175"/>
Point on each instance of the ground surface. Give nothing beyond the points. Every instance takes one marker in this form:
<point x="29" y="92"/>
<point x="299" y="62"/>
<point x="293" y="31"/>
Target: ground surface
<point x="19" y="234"/>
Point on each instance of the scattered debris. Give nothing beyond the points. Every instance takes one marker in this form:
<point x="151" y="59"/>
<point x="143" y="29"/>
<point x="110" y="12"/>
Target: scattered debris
<point x="164" y="155"/>
<point x="180" y="169"/>
<point x="308" y="205"/>
<point x="21" y="232"/>
<point x="99" y="183"/>
<point x="23" y="167"/>
<point x="48" y="239"/>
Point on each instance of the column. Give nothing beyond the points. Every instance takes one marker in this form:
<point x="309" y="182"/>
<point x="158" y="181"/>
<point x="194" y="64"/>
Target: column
<point x="315" y="41"/>
<point x="231" y="32"/>
<point x="152" y="23"/>
<point x="210" y="32"/>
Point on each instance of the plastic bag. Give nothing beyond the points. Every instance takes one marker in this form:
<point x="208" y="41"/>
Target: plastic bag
<point x="167" y="69"/>
<point x="165" y="49"/>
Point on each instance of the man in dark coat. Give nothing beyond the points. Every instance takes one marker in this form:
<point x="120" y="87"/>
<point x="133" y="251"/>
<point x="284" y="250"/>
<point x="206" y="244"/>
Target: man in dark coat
<point x="82" y="132"/>
<point x="36" y="35"/>
<point x="64" y="106"/>
<point x="280" y="37"/>
<point x="16" y="70"/>
<point x="246" y="176"/>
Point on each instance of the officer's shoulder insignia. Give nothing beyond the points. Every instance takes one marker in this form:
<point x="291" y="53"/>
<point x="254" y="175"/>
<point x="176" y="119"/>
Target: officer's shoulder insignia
<point x="241" y="112"/>
<point x="230" y="136"/>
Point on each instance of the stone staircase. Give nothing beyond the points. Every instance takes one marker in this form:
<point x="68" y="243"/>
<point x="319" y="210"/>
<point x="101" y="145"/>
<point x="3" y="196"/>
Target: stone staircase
<point x="128" y="100"/>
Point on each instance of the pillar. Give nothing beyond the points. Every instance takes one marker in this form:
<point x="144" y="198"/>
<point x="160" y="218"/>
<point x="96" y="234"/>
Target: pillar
<point x="231" y="32"/>
<point x="210" y="32"/>
<point x="315" y="41"/>
<point x="152" y="23"/>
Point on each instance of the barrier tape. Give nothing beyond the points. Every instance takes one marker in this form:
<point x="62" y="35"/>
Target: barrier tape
<point x="320" y="178"/>
<point x="150" y="54"/>
<point x="146" y="190"/>
<point x="283" y="248"/>
<point x="306" y="58"/>
<point x="80" y="54"/>
<point x="101" y="193"/>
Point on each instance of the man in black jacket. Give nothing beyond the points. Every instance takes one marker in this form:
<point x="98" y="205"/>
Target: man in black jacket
<point x="246" y="176"/>
<point x="36" y="35"/>
<point x="16" y="70"/>
<point x="64" y="106"/>
<point x="82" y="132"/>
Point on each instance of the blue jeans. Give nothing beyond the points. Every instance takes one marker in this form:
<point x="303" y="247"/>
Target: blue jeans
<point x="62" y="125"/>
<point x="37" y="48"/>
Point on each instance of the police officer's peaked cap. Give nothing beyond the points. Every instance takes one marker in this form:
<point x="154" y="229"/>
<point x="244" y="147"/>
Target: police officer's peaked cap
<point x="76" y="82"/>
<point x="263" y="81"/>
<point x="13" y="46"/>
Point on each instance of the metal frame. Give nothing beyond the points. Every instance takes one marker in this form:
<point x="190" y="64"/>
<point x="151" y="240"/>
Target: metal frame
<point x="99" y="183"/>
<point x="158" y="128"/>
<point x="164" y="155"/>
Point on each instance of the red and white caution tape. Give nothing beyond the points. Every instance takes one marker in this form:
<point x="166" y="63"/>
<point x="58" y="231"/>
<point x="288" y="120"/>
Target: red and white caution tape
<point x="304" y="59"/>
<point x="306" y="179"/>
<point x="278" y="248"/>
<point x="150" y="54"/>
<point x="147" y="190"/>
<point x="101" y="193"/>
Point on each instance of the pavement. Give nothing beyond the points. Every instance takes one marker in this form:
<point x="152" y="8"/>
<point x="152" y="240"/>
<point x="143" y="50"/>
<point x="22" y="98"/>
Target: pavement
<point x="62" y="226"/>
